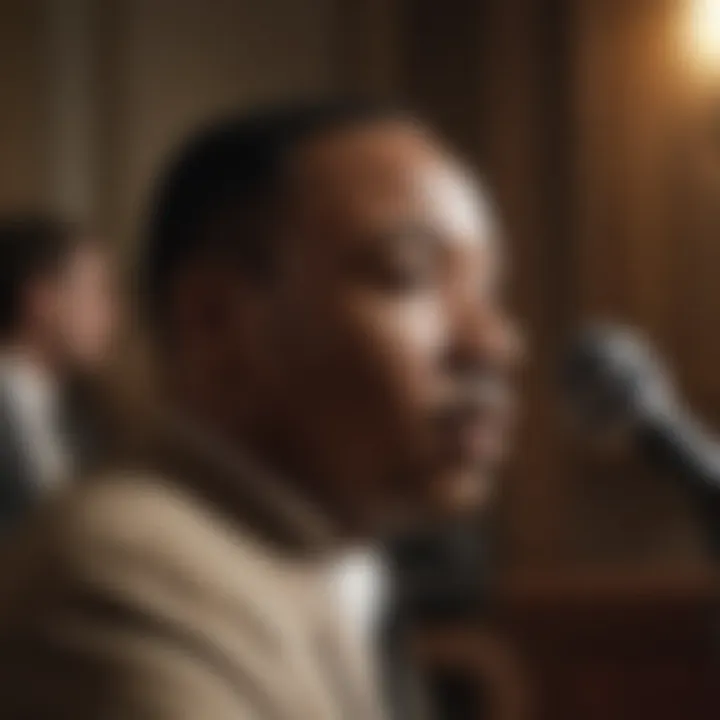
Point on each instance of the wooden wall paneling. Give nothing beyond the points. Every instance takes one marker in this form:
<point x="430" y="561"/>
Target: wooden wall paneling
<point x="23" y="105"/>
<point x="527" y="150"/>
<point x="626" y="97"/>
<point x="620" y="645"/>
<point x="626" y="256"/>
<point x="440" y="75"/>
<point x="695" y="197"/>
<point x="369" y="44"/>
<point x="173" y="65"/>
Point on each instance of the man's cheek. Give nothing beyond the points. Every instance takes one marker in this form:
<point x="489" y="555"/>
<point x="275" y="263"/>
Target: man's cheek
<point x="415" y="325"/>
<point x="403" y="341"/>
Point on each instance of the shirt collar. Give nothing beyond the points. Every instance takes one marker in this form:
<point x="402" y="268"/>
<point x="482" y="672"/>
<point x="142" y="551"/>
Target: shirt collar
<point x="29" y="384"/>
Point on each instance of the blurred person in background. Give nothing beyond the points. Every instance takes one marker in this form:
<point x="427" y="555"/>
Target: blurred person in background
<point x="332" y="362"/>
<point x="56" y="322"/>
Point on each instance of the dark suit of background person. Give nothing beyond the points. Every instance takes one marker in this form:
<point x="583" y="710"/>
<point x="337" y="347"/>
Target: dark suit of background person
<point x="330" y="363"/>
<point x="55" y="324"/>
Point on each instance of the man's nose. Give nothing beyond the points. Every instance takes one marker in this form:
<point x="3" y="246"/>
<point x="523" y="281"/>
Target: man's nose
<point x="488" y="336"/>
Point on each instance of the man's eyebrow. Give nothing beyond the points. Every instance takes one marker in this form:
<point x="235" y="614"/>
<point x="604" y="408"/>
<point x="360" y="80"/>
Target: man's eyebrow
<point x="411" y="233"/>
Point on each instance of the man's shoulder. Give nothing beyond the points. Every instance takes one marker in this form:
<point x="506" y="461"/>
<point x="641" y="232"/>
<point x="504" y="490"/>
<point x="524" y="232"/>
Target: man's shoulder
<point x="143" y="513"/>
<point x="135" y="507"/>
<point x="138" y="580"/>
<point x="138" y="538"/>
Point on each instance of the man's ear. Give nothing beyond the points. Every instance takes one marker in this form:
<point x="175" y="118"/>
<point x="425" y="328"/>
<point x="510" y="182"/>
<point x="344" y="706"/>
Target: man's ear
<point x="214" y="302"/>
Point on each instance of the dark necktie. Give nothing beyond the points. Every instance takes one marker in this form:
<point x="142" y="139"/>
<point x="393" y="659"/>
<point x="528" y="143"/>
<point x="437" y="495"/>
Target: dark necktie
<point x="402" y="682"/>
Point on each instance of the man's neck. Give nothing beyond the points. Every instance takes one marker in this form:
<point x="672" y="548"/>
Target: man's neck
<point x="273" y="451"/>
<point x="248" y="477"/>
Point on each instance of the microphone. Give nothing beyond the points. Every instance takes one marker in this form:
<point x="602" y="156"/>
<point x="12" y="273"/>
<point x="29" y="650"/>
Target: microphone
<point x="442" y="572"/>
<point x="617" y="383"/>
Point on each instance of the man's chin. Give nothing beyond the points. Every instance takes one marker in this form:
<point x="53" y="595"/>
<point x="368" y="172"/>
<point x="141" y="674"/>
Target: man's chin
<point x="447" y="496"/>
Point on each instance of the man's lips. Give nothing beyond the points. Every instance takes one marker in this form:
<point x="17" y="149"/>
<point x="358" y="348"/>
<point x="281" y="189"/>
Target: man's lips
<point x="476" y="427"/>
<point x="478" y="438"/>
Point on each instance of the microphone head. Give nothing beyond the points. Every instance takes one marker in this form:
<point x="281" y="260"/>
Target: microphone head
<point x="615" y="381"/>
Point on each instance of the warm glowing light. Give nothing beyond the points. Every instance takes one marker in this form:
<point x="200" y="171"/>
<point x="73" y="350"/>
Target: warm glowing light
<point x="704" y="35"/>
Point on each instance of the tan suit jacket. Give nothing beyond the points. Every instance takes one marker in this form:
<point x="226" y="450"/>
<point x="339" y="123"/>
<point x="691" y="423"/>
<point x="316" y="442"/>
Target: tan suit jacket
<point x="176" y="589"/>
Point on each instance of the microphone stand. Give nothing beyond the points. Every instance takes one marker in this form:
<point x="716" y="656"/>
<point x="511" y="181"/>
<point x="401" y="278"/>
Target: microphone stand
<point x="441" y="575"/>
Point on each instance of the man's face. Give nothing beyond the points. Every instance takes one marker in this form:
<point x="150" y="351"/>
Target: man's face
<point x="86" y="308"/>
<point x="388" y="346"/>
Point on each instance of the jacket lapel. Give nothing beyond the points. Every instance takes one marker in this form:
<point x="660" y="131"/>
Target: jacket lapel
<point x="295" y="530"/>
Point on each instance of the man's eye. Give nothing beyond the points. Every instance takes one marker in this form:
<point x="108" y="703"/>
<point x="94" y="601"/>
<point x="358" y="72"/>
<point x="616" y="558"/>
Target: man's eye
<point x="401" y="262"/>
<point x="408" y="273"/>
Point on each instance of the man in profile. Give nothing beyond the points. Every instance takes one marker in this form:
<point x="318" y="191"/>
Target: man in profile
<point x="56" y="323"/>
<point x="332" y="358"/>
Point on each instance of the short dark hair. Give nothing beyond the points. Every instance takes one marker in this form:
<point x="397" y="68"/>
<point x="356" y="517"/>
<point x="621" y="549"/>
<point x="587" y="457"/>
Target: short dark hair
<point x="235" y="163"/>
<point x="31" y="246"/>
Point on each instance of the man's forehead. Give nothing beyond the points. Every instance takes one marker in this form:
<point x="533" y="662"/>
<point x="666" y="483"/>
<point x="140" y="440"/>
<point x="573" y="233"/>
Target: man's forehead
<point x="386" y="166"/>
<point x="379" y="151"/>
